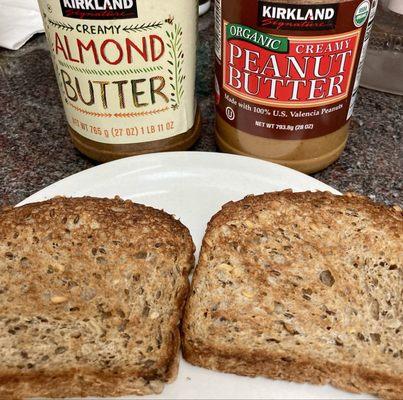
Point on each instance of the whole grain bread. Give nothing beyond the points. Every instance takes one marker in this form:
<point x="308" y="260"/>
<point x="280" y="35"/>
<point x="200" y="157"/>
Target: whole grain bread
<point x="91" y="295"/>
<point x="304" y="287"/>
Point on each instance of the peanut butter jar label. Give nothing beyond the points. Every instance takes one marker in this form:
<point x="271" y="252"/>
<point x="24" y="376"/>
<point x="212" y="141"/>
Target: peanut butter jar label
<point x="125" y="68"/>
<point x="290" y="71"/>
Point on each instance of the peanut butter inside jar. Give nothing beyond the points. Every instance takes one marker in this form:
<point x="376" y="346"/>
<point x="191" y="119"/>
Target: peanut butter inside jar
<point x="305" y="155"/>
<point x="287" y="78"/>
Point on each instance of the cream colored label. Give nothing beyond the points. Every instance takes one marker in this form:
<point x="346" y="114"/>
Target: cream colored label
<point x="126" y="79"/>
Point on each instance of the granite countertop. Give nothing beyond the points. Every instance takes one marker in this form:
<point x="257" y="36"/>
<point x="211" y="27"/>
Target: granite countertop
<point x="36" y="151"/>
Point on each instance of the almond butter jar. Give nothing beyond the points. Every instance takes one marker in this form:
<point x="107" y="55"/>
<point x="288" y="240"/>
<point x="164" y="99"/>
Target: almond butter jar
<point x="126" y="73"/>
<point x="287" y="76"/>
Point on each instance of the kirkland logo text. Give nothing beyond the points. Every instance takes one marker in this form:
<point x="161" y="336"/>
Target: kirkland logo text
<point x="99" y="9"/>
<point x="292" y="16"/>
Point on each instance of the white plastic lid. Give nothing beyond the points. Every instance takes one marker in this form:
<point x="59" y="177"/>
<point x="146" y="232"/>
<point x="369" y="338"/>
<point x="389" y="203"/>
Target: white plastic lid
<point x="396" y="6"/>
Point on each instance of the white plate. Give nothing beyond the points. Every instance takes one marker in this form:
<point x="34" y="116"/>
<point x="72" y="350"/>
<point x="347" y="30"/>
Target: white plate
<point x="193" y="186"/>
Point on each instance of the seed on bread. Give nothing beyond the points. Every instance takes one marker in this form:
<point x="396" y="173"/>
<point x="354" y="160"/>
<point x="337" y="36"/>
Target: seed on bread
<point x="375" y="309"/>
<point x="58" y="299"/>
<point x="60" y="350"/>
<point x="289" y="328"/>
<point x="25" y="262"/>
<point x="247" y="294"/>
<point x="60" y="268"/>
<point x="249" y="224"/>
<point x="226" y="267"/>
<point x="326" y="278"/>
<point x="154" y="315"/>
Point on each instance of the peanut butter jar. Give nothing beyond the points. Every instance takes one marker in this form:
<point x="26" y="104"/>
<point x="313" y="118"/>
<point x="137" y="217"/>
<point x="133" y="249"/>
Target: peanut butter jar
<point x="287" y="76"/>
<point x="126" y="73"/>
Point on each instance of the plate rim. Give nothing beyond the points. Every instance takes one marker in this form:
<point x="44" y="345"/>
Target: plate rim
<point x="164" y="156"/>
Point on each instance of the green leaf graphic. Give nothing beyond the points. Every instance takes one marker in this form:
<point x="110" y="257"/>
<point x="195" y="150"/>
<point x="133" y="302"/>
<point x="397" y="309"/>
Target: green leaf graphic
<point x="176" y="61"/>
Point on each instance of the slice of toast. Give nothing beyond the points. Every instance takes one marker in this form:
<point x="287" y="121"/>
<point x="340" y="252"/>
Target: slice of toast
<point x="304" y="287"/>
<point x="91" y="296"/>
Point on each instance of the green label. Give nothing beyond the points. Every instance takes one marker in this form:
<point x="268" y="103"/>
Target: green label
<point x="361" y="13"/>
<point x="273" y="43"/>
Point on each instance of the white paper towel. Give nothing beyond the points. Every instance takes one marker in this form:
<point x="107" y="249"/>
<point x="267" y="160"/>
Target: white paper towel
<point x="19" y="21"/>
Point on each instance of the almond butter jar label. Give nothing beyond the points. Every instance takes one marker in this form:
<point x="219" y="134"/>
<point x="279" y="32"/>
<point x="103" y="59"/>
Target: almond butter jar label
<point x="290" y="71"/>
<point x="125" y="68"/>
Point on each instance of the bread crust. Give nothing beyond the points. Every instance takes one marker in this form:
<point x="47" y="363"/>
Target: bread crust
<point x="274" y="361"/>
<point x="73" y="384"/>
<point x="111" y="219"/>
<point x="301" y="369"/>
<point x="251" y="204"/>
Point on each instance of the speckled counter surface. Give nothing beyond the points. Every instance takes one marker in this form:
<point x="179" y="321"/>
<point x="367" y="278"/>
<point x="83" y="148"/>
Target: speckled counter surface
<point x="36" y="151"/>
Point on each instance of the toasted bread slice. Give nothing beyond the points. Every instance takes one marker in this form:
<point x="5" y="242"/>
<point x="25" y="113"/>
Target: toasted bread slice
<point x="91" y="295"/>
<point x="304" y="287"/>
